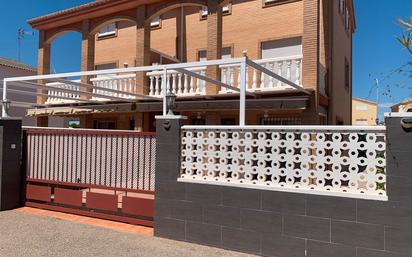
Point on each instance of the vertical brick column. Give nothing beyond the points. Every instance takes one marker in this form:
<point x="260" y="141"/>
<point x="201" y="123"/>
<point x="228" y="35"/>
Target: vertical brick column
<point x="87" y="64"/>
<point x="43" y="63"/>
<point x="310" y="64"/>
<point x="142" y="49"/>
<point x="138" y="121"/>
<point x="86" y="121"/>
<point x="42" y="69"/>
<point x="214" y="43"/>
<point x="42" y="121"/>
<point x="212" y="118"/>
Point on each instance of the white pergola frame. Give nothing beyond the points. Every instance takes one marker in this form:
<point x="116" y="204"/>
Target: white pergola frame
<point x="180" y="67"/>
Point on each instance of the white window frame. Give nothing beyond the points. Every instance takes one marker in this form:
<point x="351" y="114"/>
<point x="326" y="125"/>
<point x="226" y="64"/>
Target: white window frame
<point x="272" y="2"/>
<point x="347" y="19"/>
<point x="361" y="107"/>
<point x="109" y="32"/>
<point x="341" y="6"/>
<point x="156" y="22"/>
<point x="226" y="9"/>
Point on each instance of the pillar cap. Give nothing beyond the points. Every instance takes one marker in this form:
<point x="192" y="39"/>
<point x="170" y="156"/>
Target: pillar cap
<point x="398" y="114"/>
<point x="171" y="117"/>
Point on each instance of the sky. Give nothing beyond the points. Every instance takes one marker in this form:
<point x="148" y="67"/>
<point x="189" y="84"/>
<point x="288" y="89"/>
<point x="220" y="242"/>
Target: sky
<point x="376" y="52"/>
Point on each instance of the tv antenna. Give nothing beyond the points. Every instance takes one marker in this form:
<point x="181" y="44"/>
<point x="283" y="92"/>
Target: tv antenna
<point x="21" y="33"/>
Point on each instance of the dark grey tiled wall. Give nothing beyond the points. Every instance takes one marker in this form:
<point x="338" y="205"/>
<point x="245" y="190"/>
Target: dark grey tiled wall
<point x="10" y="170"/>
<point x="279" y="224"/>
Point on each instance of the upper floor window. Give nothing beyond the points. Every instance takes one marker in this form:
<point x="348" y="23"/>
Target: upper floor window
<point x="341" y="5"/>
<point x="227" y="9"/>
<point x="108" y="30"/>
<point x="361" y="107"/>
<point x="273" y="2"/>
<point x="347" y="74"/>
<point x="346" y="19"/>
<point x="226" y="54"/>
<point x="281" y="48"/>
<point x="156" y="22"/>
<point x="105" y="66"/>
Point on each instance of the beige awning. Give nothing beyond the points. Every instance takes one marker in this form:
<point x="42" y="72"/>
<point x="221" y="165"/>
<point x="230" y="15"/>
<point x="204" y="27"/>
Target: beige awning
<point x="79" y="110"/>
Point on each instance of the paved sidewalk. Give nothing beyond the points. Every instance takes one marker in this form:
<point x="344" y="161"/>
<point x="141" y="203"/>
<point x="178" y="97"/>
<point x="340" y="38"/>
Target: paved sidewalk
<point x="24" y="234"/>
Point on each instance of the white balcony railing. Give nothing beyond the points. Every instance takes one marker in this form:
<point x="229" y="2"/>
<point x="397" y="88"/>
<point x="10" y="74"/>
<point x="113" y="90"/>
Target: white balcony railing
<point x="124" y="83"/>
<point x="185" y="85"/>
<point x="288" y="73"/>
<point x="329" y="160"/>
<point x="177" y="83"/>
<point x="57" y="97"/>
<point x="287" y="67"/>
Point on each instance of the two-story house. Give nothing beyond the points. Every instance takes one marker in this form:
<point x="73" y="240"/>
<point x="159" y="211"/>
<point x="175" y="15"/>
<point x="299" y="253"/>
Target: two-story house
<point x="308" y="42"/>
<point x="364" y="112"/>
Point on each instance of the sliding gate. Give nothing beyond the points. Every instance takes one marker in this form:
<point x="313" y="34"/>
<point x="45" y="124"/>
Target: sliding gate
<point x="100" y="173"/>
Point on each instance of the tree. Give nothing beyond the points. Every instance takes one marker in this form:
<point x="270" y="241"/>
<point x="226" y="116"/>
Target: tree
<point x="406" y="38"/>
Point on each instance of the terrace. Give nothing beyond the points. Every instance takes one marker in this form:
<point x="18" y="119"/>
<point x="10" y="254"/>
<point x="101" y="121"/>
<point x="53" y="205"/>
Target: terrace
<point x="184" y="84"/>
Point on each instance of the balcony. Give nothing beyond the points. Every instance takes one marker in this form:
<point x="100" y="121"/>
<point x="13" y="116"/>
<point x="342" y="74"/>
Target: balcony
<point x="186" y="85"/>
<point x="183" y="84"/>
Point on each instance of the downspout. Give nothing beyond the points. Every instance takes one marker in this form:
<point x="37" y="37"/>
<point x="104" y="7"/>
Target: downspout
<point x="318" y="60"/>
<point x="330" y="62"/>
<point x="182" y="12"/>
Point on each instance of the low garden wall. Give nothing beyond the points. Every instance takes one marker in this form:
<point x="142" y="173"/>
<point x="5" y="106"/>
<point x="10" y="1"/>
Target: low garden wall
<point x="277" y="222"/>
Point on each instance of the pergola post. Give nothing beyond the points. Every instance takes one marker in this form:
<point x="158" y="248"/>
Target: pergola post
<point x="87" y="63"/>
<point x="142" y="49"/>
<point x="214" y="43"/>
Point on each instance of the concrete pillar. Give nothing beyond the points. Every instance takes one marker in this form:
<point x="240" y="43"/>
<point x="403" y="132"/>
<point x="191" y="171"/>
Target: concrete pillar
<point x="10" y="169"/>
<point x="142" y="49"/>
<point x="214" y="43"/>
<point x="398" y="157"/>
<point x="43" y="63"/>
<point x="87" y="63"/>
<point x="167" y="171"/>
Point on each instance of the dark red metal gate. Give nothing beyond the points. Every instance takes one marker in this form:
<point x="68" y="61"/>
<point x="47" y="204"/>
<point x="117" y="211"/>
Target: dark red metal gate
<point x="100" y="173"/>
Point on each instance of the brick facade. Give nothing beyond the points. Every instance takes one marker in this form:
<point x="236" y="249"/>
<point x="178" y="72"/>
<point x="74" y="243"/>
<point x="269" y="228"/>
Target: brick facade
<point x="183" y="33"/>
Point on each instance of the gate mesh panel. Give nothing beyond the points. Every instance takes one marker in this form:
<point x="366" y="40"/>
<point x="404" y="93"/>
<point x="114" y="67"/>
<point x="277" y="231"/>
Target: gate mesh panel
<point x="118" y="159"/>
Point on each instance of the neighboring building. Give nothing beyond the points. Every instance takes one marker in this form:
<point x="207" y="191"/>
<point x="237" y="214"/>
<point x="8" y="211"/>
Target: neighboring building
<point x="364" y="112"/>
<point x="308" y="40"/>
<point x="20" y="102"/>
<point x="21" y="97"/>
<point x="404" y="106"/>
